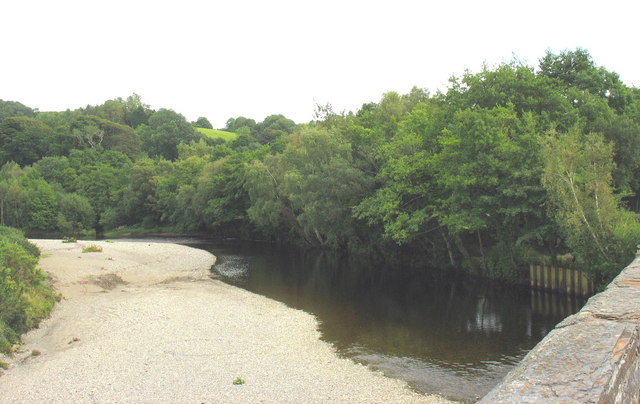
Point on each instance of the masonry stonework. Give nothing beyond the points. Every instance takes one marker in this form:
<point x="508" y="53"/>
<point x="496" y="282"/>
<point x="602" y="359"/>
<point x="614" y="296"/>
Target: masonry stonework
<point x="590" y="357"/>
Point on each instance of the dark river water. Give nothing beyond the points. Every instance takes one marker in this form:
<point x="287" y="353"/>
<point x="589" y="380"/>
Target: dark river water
<point x="445" y="334"/>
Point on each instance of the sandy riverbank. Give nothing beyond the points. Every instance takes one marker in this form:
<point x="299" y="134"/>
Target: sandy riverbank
<point x="143" y="323"/>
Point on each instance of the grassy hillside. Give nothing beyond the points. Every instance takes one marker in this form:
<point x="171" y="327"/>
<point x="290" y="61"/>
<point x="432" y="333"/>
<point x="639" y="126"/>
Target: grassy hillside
<point x="217" y="134"/>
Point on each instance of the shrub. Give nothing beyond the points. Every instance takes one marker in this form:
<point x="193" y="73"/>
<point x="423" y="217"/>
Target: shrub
<point x="25" y="298"/>
<point x="92" y="248"/>
<point x="238" y="381"/>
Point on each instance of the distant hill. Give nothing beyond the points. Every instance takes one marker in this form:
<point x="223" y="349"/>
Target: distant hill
<point x="217" y="134"/>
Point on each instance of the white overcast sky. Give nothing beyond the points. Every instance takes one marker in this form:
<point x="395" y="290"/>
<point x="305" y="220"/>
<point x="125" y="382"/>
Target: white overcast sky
<point x="222" y="59"/>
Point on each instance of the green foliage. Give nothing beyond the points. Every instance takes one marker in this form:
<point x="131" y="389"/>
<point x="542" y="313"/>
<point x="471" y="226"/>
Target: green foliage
<point x="165" y="131"/>
<point x="203" y="123"/>
<point x="131" y="112"/>
<point x="92" y="132"/>
<point x="13" y="108"/>
<point x="75" y="213"/>
<point x="26" y="201"/>
<point x="576" y="70"/>
<point x="488" y="168"/>
<point x="24" y="140"/>
<point x="25" y="298"/>
<point x="240" y="125"/>
<point x="69" y="240"/>
<point x="272" y="128"/>
<point x="578" y="178"/>
<point x="311" y="188"/>
<point x="450" y="179"/>
<point x="57" y="171"/>
<point x="100" y="178"/>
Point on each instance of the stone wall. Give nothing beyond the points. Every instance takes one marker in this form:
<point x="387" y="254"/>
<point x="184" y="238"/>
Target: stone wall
<point x="590" y="357"/>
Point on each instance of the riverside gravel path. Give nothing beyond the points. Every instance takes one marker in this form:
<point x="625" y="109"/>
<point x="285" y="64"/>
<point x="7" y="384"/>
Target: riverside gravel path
<point x="143" y="323"/>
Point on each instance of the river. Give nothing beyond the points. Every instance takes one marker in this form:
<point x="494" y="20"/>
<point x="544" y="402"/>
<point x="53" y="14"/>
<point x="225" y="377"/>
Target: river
<point x="441" y="333"/>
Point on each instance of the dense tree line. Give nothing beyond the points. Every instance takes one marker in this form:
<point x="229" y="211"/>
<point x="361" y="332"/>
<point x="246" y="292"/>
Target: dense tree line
<point x="512" y="164"/>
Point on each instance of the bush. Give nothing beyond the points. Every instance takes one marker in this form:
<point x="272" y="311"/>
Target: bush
<point x="25" y="298"/>
<point x="92" y="248"/>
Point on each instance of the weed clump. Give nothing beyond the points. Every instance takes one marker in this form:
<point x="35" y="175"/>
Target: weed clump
<point x="92" y="248"/>
<point x="69" y="240"/>
<point x="238" y="381"/>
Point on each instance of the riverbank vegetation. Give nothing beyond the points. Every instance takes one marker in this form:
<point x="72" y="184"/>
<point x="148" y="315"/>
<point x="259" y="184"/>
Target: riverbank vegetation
<point x="25" y="297"/>
<point x="510" y="165"/>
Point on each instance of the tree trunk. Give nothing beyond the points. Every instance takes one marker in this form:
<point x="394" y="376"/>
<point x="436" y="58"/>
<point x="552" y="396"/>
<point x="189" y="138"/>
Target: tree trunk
<point x="485" y="270"/>
<point x="448" y="244"/>
<point x="99" y="228"/>
<point x="465" y="253"/>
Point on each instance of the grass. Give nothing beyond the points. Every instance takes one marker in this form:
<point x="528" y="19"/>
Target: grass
<point x="218" y="134"/>
<point x="92" y="248"/>
<point x="4" y="365"/>
<point x="238" y="381"/>
<point x="69" y="240"/>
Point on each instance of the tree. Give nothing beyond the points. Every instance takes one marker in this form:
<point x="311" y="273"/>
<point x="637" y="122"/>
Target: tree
<point x="96" y="133"/>
<point x="42" y="204"/>
<point x="513" y="85"/>
<point x="26" y="201"/>
<point x="489" y="173"/>
<point x="13" y="108"/>
<point x="203" y="122"/>
<point x="111" y="110"/>
<point x="576" y="69"/>
<point x="240" y="125"/>
<point x="221" y="198"/>
<point x="100" y="177"/>
<point x="24" y="140"/>
<point x="139" y="200"/>
<point x="166" y="130"/>
<point x="12" y="212"/>
<point x="578" y="179"/>
<point x="404" y="202"/>
<point x="272" y="128"/>
<point x="308" y="191"/>
<point x="75" y="213"/>
<point x="175" y="191"/>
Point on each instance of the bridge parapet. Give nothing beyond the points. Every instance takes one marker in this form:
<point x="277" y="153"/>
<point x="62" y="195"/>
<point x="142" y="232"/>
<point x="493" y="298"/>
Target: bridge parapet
<point x="592" y="356"/>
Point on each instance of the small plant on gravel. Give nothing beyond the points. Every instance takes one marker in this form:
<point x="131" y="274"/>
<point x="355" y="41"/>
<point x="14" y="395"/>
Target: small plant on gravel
<point x="4" y="365"/>
<point x="108" y="241"/>
<point x="69" y="240"/>
<point x="92" y="248"/>
<point x="238" y="381"/>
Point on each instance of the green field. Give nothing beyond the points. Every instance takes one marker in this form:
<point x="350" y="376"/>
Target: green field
<point x="217" y="134"/>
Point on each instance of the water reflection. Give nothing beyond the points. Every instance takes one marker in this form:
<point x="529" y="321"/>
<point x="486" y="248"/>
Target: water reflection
<point x="439" y="332"/>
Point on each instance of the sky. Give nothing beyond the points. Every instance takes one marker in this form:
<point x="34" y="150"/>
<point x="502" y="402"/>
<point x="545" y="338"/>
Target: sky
<point x="223" y="59"/>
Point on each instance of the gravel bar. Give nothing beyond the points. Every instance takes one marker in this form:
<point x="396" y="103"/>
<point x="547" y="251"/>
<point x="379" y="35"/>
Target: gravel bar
<point x="142" y="322"/>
